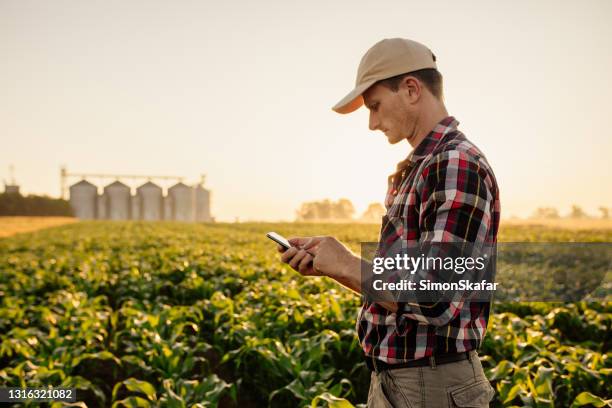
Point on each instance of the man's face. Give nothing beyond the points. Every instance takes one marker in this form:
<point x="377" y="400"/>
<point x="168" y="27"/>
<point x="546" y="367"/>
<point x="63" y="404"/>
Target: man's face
<point x="391" y="112"/>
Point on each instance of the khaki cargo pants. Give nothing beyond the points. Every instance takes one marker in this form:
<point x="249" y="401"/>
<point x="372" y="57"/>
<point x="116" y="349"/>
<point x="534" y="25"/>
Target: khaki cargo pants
<point x="458" y="384"/>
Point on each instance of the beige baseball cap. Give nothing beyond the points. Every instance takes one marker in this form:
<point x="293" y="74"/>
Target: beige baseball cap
<point x="386" y="59"/>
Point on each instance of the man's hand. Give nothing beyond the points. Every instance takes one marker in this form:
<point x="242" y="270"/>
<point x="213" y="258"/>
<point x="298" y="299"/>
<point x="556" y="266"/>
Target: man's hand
<point x="298" y="258"/>
<point x="326" y="256"/>
<point x="318" y="256"/>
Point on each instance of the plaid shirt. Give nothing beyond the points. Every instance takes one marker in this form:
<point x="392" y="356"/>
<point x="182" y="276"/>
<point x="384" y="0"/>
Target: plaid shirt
<point x="444" y="191"/>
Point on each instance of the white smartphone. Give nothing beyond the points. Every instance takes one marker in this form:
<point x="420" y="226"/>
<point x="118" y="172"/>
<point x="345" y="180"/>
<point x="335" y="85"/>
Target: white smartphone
<point x="279" y="239"/>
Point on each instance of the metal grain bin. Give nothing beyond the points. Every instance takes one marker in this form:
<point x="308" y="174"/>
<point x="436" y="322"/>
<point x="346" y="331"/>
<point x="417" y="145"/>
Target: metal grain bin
<point x="83" y="199"/>
<point x="117" y="201"/>
<point x="150" y="199"/>
<point x="202" y="204"/>
<point x="182" y="202"/>
<point x="135" y="213"/>
<point x="102" y="210"/>
<point x="167" y="208"/>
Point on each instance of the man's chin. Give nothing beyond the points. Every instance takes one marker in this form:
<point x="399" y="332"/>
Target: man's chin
<point x="394" y="139"/>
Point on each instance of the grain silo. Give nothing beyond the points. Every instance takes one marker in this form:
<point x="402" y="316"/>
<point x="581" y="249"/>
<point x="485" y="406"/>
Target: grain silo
<point x="167" y="208"/>
<point x="202" y="204"/>
<point x="83" y="199"/>
<point x="117" y="201"/>
<point x="182" y="201"/>
<point x="135" y="213"/>
<point x="151" y="201"/>
<point x="102" y="209"/>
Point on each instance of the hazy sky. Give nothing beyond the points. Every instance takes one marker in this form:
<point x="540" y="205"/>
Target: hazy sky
<point x="242" y="91"/>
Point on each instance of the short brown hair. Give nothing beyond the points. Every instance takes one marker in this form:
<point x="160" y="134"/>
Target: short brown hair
<point x="430" y="77"/>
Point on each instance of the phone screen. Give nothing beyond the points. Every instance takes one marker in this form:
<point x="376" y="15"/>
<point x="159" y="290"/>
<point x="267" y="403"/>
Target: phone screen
<point x="279" y="239"/>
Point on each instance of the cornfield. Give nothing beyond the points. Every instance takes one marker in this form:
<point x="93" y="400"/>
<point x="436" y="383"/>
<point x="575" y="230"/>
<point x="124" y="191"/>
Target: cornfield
<point x="181" y="315"/>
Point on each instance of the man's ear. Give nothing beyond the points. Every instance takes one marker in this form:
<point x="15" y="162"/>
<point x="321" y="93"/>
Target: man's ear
<point x="412" y="88"/>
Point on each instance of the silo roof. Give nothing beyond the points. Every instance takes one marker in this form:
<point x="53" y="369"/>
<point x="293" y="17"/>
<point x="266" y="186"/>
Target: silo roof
<point x="179" y="185"/>
<point x="116" y="184"/>
<point x="83" y="183"/>
<point x="149" y="184"/>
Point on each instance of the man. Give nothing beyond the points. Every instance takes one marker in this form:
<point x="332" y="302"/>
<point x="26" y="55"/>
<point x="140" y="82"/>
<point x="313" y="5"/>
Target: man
<point x="420" y="354"/>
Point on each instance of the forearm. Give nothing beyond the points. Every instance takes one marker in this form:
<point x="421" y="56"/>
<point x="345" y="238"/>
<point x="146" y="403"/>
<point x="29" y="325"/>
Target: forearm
<point x="350" y="277"/>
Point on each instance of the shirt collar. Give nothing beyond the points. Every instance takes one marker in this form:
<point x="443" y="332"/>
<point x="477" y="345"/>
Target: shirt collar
<point x="430" y="142"/>
<point x="427" y="145"/>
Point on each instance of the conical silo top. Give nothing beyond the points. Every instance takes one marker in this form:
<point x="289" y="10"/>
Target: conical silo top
<point x="83" y="183"/>
<point x="149" y="185"/>
<point x="199" y="187"/>
<point x="179" y="185"/>
<point x="117" y="184"/>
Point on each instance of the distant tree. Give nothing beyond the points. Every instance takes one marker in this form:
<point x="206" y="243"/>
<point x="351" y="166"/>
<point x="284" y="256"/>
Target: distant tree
<point x="305" y="212"/>
<point x="309" y="211"/>
<point x="577" y="212"/>
<point x="33" y="205"/>
<point x="326" y="209"/>
<point x="374" y="212"/>
<point x="545" y="213"/>
<point x="605" y="213"/>
<point x="343" y="209"/>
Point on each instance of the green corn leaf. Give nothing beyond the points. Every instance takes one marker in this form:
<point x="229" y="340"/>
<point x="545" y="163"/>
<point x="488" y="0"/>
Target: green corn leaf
<point x="134" y="385"/>
<point x="586" y="398"/>
<point x="502" y="370"/>
<point x="543" y="382"/>
<point x="102" y="355"/>
<point x="132" y="402"/>
<point x="331" y="400"/>
<point x="512" y="393"/>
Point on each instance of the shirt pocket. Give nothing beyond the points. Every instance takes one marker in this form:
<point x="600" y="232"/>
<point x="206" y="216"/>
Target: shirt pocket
<point x="393" y="236"/>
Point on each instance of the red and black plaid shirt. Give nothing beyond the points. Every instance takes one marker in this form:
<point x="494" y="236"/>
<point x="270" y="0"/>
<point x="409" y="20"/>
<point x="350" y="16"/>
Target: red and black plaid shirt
<point x="444" y="191"/>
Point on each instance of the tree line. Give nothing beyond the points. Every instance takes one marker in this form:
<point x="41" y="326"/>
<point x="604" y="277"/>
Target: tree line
<point x="341" y="210"/>
<point x="33" y="205"/>
<point x="576" y="213"/>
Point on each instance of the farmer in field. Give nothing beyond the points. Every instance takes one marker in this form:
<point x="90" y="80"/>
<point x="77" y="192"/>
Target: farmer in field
<point x="419" y="354"/>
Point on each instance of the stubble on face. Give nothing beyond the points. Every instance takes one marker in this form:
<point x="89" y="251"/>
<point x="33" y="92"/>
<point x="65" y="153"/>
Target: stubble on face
<point x="409" y="125"/>
<point x="393" y="117"/>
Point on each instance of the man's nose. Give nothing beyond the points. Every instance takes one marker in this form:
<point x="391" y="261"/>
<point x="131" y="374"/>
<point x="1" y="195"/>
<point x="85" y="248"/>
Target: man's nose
<point x="373" y="121"/>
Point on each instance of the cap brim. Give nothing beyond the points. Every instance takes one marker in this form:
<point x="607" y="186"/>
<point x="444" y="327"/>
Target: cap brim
<point x="353" y="100"/>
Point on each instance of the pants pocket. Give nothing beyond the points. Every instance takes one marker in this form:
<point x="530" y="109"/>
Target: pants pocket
<point x="396" y="390"/>
<point x="475" y="395"/>
<point x="377" y="396"/>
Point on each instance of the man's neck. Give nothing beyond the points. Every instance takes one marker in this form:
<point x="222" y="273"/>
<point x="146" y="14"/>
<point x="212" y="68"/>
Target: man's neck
<point x="427" y="121"/>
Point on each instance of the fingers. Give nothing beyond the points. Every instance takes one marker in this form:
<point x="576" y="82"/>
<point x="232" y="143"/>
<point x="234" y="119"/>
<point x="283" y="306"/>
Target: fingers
<point x="305" y="263"/>
<point x="298" y="241"/>
<point x="297" y="258"/>
<point x="288" y="254"/>
<point x="312" y="244"/>
<point x="306" y="242"/>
